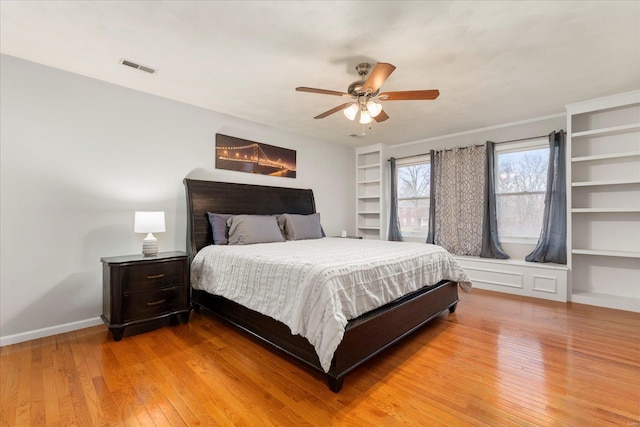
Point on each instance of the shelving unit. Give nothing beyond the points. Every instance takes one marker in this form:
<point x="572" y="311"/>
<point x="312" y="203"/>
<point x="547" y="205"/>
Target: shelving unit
<point x="370" y="192"/>
<point x="603" y="192"/>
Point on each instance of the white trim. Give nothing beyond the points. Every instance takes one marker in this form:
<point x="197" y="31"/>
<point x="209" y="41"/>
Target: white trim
<point x="517" y="277"/>
<point x="513" y="261"/>
<point x="48" y="331"/>
<point x="520" y="240"/>
<point x="414" y="160"/>
<point x="470" y="132"/>
<point x="516" y="146"/>
<point x="604" y="103"/>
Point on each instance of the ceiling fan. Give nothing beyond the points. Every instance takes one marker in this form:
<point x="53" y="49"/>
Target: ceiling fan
<point x="364" y="94"/>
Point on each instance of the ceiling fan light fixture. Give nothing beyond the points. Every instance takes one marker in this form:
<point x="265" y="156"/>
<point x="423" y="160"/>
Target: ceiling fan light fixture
<point x="351" y="111"/>
<point x="365" y="117"/>
<point x="374" y="108"/>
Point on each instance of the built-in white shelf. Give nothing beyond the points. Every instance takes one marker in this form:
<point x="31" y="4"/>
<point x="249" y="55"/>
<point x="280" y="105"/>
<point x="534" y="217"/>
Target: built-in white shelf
<point x="605" y="182"/>
<point x="603" y="177"/>
<point x="607" y="131"/>
<point x="628" y="154"/>
<point x="608" y="253"/>
<point x="372" y="166"/>
<point x="605" y="210"/>
<point x="607" y="300"/>
<point x="370" y="186"/>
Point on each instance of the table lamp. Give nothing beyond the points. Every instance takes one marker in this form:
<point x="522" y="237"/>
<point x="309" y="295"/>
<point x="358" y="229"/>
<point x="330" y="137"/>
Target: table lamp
<point x="149" y="222"/>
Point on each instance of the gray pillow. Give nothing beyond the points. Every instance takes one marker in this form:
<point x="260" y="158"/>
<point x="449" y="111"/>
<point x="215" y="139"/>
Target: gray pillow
<point x="219" y="227"/>
<point x="249" y="229"/>
<point x="299" y="227"/>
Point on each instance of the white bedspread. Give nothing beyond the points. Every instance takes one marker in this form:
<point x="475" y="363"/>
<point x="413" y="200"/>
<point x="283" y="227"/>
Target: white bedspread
<point x="316" y="286"/>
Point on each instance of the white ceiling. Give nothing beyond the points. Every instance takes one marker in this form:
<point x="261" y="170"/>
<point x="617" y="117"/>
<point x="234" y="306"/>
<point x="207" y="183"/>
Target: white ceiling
<point x="494" y="62"/>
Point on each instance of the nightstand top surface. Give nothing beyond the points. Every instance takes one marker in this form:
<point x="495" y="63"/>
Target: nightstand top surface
<point x="141" y="258"/>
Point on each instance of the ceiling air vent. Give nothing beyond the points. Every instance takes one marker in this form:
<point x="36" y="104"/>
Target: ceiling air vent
<point x="137" y="66"/>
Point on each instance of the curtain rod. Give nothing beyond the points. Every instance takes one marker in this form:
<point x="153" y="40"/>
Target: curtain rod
<point x="522" y="139"/>
<point x="475" y="145"/>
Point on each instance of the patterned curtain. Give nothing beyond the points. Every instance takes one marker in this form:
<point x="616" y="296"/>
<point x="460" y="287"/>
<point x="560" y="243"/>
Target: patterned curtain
<point x="459" y="199"/>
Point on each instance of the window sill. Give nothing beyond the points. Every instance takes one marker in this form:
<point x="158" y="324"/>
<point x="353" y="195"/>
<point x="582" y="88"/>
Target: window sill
<point x="519" y="240"/>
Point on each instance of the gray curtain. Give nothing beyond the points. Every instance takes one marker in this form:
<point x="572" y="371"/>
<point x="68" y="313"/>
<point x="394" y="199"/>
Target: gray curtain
<point x="552" y="245"/>
<point x="491" y="247"/>
<point x="432" y="202"/>
<point x="394" y="223"/>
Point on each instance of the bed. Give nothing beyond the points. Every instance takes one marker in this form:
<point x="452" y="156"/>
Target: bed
<point x="363" y="336"/>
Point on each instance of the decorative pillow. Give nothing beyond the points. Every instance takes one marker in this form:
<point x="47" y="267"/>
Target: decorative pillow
<point x="299" y="227"/>
<point x="249" y="229"/>
<point x="219" y="227"/>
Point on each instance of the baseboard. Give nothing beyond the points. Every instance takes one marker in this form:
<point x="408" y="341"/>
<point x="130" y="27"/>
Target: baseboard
<point x="48" y="331"/>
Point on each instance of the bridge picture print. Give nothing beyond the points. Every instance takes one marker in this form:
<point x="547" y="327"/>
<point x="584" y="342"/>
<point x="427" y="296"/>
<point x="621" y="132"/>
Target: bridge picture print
<point x="254" y="157"/>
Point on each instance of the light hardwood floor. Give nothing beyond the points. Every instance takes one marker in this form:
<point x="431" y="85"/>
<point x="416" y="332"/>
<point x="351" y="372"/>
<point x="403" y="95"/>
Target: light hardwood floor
<point x="499" y="360"/>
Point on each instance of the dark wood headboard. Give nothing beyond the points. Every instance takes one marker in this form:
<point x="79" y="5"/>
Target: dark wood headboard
<point x="232" y="198"/>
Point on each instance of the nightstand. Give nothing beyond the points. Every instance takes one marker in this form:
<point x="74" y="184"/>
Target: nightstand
<point x="141" y="291"/>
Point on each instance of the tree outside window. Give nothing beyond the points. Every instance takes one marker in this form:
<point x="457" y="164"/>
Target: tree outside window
<point x="521" y="182"/>
<point x="414" y="186"/>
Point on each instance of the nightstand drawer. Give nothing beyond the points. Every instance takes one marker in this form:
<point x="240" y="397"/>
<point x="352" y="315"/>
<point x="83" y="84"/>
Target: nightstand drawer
<point x="138" y="305"/>
<point x="152" y="276"/>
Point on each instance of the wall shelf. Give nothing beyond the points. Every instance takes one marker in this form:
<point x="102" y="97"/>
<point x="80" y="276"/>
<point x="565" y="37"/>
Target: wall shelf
<point x="606" y="182"/>
<point x="370" y="187"/>
<point x="603" y="229"/>
<point x="607" y="131"/>
<point x="628" y="154"/>
<point x="607" y="300"/>
<point x="605" y="210"/>
<point x="597" y="252"/>
<point x="372" y="166"/>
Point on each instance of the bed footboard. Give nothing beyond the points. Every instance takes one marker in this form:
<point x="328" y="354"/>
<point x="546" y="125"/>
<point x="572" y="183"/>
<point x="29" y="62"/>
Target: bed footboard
<point x="364" y="336"/>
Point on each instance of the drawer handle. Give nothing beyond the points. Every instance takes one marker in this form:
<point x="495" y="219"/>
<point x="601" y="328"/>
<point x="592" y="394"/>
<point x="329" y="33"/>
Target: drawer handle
<point x="156" y="276"/>
<point x="155" y="302"/>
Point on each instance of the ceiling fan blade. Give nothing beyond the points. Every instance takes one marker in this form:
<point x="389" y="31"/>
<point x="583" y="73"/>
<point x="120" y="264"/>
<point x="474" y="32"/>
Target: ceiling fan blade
<point x="381" y="117"/>
<point x="333" y="110"/>
<point x="380" y="73"/>
<point x="322" y="91"/>
<point x="409" y="95"/>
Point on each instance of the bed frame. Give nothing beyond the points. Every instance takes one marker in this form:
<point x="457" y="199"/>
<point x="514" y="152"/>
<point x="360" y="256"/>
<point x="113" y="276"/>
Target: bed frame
<point x="364" y="336"/>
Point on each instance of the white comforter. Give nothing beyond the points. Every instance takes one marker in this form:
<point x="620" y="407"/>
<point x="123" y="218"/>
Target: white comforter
<point x="316" y="286"/>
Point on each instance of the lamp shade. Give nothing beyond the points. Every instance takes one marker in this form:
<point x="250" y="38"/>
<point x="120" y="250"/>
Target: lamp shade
<point x="149" y="222"/>
<point x="365" y="117"/>
<point x="374" y="108"/>
<point x="351" y="111"/>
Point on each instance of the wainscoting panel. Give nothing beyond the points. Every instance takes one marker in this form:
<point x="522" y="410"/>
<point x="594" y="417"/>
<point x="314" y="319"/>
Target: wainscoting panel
<point x="539" y="280"/>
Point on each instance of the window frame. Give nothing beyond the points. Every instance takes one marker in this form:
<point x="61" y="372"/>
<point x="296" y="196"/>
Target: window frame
<point x="514" y="147"/>
<point x="413" y="161"/>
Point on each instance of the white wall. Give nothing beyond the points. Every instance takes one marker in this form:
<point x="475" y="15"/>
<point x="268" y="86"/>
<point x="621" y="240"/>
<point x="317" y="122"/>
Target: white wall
<point x="79" y="156"/>
<point x="525" y="129"/>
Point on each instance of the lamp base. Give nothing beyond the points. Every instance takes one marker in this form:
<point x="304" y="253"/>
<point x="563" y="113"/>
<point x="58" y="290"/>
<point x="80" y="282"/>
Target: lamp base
<point x="150" y="245"/>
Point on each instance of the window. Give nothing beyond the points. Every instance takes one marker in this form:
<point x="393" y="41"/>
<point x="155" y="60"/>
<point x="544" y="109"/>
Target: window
<point x="414" y="185"/>
<point x="521" y="183"/>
